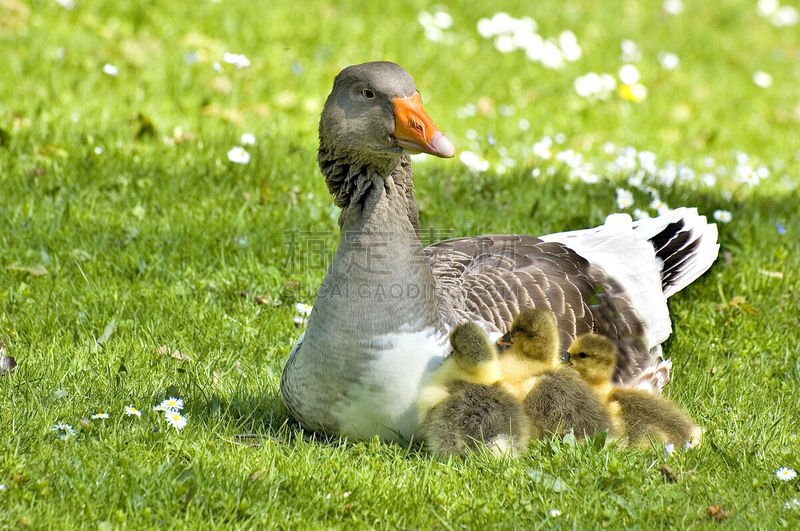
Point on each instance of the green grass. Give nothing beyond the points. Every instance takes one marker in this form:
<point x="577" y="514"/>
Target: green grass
<point x="147" y="243"/>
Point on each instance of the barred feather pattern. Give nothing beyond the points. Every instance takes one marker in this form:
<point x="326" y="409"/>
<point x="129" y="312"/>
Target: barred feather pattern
<point x="491" y="279"/>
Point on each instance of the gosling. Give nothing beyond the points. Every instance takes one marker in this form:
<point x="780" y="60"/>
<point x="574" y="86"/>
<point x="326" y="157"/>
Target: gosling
<point x="640" y="415"/>
<point x="465" y="404"/>
<point x="556" y="399"/>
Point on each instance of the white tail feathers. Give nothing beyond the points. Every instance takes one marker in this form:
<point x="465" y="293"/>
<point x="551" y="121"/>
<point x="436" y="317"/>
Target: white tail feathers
<point x="685" y="244"/>
<point x="651" y="259"/>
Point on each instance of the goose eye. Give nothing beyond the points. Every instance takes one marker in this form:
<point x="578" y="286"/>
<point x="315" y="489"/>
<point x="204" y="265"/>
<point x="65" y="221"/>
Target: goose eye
<point x="368" y="94"/>
<point x="582" y="355"/>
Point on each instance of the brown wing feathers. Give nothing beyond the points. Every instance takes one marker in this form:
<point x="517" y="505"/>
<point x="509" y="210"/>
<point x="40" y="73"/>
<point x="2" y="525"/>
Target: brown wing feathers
<point x="491" y="279"/>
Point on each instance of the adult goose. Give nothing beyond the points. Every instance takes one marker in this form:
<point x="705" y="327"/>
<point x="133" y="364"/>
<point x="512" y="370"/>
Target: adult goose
<point x="380" y="322"/>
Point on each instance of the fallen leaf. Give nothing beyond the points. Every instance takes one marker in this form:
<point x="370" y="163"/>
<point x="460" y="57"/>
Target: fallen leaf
<point x="7" y="363"/>
<point x="230" y="115"/>
<point x="178" y="355"/>
<point x="547" y="481"/>
<point x="741" y="303"/>
<point x="716" y="512"/>
<point x="727" y="257"/>
<point x="37" y="270"/>
<point x="263" y="300"/>
<point x="53" y="150"/>
<point x="107" y="331"/>
<point x="669" y="474"/>
<point x="79" y="255"/>
<point x="144" y="126"/>
<point x="771" y="274"/>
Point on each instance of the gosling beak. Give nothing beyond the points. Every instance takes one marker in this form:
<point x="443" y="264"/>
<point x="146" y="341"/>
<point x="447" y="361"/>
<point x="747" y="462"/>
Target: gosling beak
<point x="505" y="340"/>
<point x="415" y="132"/>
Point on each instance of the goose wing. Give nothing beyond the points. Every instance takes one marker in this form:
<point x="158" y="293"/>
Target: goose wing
<point x="490" y="279"/>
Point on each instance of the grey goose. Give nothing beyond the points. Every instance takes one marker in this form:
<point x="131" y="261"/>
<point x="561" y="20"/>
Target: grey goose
<point x="380" y="322"/>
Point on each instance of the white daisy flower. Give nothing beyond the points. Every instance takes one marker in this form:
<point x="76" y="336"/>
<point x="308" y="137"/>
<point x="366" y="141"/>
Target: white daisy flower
<point x="110" y="70"/>
<point x="555" y="513"/>
<point x="443" y="19"/>
<point x="473" y="161"/>
<point x="2" y="487"/>
<point x="669" y="448"/>
<point x="64" y="431"/>
<point x="67" y="4"/>
<point x="762" y="79"/>
<point x="299" y="320"/>
<point x="723" y="216"/>
<point x="248" y="139"/>
<point x="467" y="110"/>
<point x="570" y="157"/>
<point x="303" y="308"/>
<point x="708" y="179"/>
<point x="170" y="404"/>
<point x="766" y="8"/>
<point x="624" y="199"/>
<point x="631" y="53"/>
<point x="175" y="419"/>
<point x="236" y="59"/>
<point x="785" y="16"/>
<point x="638" y="214"/>
<point x="569" y="46"/>
<point x="673" y="7"/>
<point x="238" y="155"/>
<point x="131" y="411"/>
<point x="659" y="206"/>
<point x="542" y="150"/>
<point x="748" y="176"/>
<point x="794" y="503"/>
<point x="100" y="416"/>
<point x="668" y="60"/>
<point x="785" y="474"/>
<point x="593" y="85"/>
<point x="504" y="43"/>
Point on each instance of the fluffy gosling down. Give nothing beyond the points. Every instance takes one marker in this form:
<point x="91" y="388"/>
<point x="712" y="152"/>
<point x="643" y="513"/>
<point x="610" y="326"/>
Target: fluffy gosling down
<point x="640" y="415"/>
<point x="556" y="400"/>
<point x="465" y="404"/>
<point x="533" y="350"/>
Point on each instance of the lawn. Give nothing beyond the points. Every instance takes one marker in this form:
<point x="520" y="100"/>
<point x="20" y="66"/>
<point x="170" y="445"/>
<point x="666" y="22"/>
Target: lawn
<point x="139" y="262"/>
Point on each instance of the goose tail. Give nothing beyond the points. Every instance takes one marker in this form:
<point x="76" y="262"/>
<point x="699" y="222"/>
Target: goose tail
<point x="685" y="245"/>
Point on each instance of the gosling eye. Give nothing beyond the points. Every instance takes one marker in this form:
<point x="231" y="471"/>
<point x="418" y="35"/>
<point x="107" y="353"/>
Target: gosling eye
<point x="367" y="94"/>
<point x="582" y="355"/>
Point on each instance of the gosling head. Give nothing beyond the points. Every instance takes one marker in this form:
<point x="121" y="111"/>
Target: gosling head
<point x="534" y="334"/>
<point x="594" y="357"/>
<point x="471" y="346"/>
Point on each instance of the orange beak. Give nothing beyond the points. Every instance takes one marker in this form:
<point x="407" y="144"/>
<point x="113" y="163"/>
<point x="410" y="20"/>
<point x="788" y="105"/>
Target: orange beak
<point x="414" y="130"/>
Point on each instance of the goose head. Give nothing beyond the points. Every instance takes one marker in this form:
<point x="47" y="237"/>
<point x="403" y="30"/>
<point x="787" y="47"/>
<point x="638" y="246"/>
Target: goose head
<point x="374" y="115"/>
<point x="594" y="357"/>
<point x="534" y="335"/>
